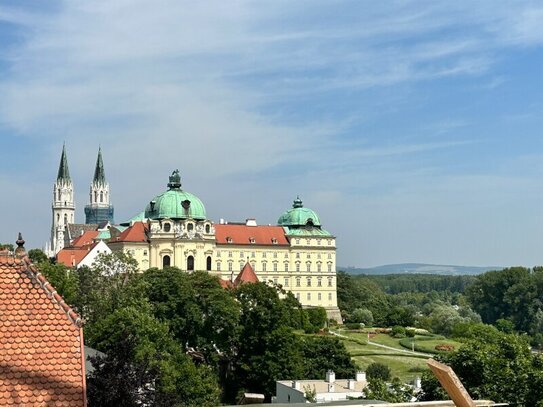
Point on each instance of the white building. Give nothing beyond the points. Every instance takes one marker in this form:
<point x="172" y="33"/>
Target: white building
<point x="330" y="389"/>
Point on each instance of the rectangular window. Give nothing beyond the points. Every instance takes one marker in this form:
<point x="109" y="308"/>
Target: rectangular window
<point x="241" y="254"/>
<point x="218" y="253"/>
<point x="308" y="296"/>
<point x="330" y="282"/>
<point x="309" y="281"/>
<point x="286" y="267"/>
<point x="286" y="282"/>
<point x="297" y="255"/>
<point x="263" y="255"/>
<point x="274" y="255"/>
<point x="319" y="267"/>
<point x="308" y="255"/>
<point x="274" y="266"/>
<point x="229" y="254"/>
<point x="275" y="280"/>
<point x="308" y="267"/>
<point x="298" y="296"/>
<point x="329" y="267"/>
<point x="218" y="266"/>
<point x="253" y="254"/>
<point x="229" y="266"/>
<point x="330" y="296"/>
<point x="297" y="282"/>
<point x="320" y="296"/>
<point x="319" y="282"/>
<point x="263" y="266"/>
<point x="298" y="267"/>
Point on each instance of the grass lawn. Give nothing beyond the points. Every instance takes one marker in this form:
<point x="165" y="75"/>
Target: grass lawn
<point x="402" y="365"/>
<point x="426" y="344"/>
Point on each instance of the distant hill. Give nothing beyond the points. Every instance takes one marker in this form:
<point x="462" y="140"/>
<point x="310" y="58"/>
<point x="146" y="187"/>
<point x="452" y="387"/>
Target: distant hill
<point x="420" y="268"/>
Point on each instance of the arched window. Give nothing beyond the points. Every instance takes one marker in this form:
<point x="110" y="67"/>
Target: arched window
<point x="190" y="227"/>
<point x="166" y="227"/>
<point x="208" y="263"/>
<point x="58" y="194"/>
<point x="95" y="196"/>
<point x="166" y="261"/>
<point x="208" y="229"/>
<point x="65" y="219"/>
<point x="58" y="218"/>
<point x="101" y="197"/>
<point x="190" y="263"/>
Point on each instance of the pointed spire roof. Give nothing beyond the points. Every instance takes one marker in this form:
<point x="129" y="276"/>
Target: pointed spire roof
<point x="63" y="171"/>
<point x="99" y="174"/>
<point x="246" y="275"/>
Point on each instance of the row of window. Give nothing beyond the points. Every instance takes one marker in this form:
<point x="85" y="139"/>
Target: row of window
<point x="298" y="255"/>
<point x="275" y="267"/>
<point x="308" y="241"/>
<point x="309" y="281"/>
<point x="319" y="296"/>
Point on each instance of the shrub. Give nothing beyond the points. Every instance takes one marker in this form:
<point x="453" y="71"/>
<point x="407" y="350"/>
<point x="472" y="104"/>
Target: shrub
<point x="354" y="325"/>
<point x="378" y="371"/>
<point x="398" y="331"/>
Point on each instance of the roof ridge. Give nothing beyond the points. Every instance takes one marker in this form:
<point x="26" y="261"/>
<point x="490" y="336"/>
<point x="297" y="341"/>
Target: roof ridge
<point x="35" y="274"/>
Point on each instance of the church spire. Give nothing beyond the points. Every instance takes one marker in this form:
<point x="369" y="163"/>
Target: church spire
<point x="63" y="171"/>
<point x="99" y="174"/>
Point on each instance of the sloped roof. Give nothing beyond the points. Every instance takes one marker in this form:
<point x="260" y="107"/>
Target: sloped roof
<point x="76" y="229"/>
<point x="85" y="239"/>
<point x="250" y="235"/>
<point x="72" y="256"/>
<point x="41" y="362"/>
<point x="135" y="233"/>
<point x="246" y="275"/>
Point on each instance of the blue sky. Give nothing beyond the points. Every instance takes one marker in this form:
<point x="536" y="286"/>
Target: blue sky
<point x="413" y="128"/>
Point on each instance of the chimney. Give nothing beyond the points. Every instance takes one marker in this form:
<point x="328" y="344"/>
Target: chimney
<point x="296" y="384"/>
<point x="360" y="376"/>
<point x="330" y="376"/>
<point x="20" y="250"/>
<point x="221" y="221"/>
<point x="250" y="222"/>
<point x="351" y="384"/>
<point x="331" y="387"/>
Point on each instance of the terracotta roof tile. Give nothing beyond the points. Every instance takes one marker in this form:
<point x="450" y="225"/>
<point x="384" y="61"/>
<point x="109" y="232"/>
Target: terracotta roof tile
<point x="41" y="362"/>
<point x="87" y="238"/>
<point x="72" y="256"/>
<point x="250" y="235"/>
<point x="246" y="275"/>
<point x="135" y="233"/>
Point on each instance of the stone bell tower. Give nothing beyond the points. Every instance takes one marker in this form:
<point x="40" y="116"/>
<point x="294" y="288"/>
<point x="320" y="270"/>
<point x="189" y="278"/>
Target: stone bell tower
<point x="63" y="206"/>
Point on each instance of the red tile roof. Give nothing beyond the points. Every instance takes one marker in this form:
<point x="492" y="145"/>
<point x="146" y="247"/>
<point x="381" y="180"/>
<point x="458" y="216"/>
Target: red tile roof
<point x="250" y="235"/>
<point x="41" y="340"/>
<point x="72" y="256"/>
<point x="85" y="239"/>
<point x="135" y="233"/>
<point x="246" y="275"/>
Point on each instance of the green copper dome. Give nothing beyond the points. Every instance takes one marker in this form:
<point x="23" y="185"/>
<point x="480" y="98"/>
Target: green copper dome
<point x="175" y="203"/>
<point x="299" y="216"/>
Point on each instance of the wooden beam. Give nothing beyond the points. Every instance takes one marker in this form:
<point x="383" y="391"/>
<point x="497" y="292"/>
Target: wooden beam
<point x="451" y="383"/>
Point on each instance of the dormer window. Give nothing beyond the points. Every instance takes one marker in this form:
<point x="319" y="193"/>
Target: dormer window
<point x="252" y="240"/>
<point x="274" y="240"/>
<point x="208" y="228"/>
<point x="151" y="205"/>
<point x="228" y="239"/>
<point x="190" y="227"/>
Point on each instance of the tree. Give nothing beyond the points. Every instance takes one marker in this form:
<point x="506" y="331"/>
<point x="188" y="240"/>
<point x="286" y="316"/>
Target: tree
<point x="323" y="353"/>
<point x="62" y="278"/>
<point x="200" y="313"/>
<point x="499" y="367"/>
<point x="145" y="366"/>
<point x="362" y="315"/>
<point x="316" y="317"/>
<point x="377" y="371"/>
<point x="397" y="392"/>
<point x="37" y="256"/>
